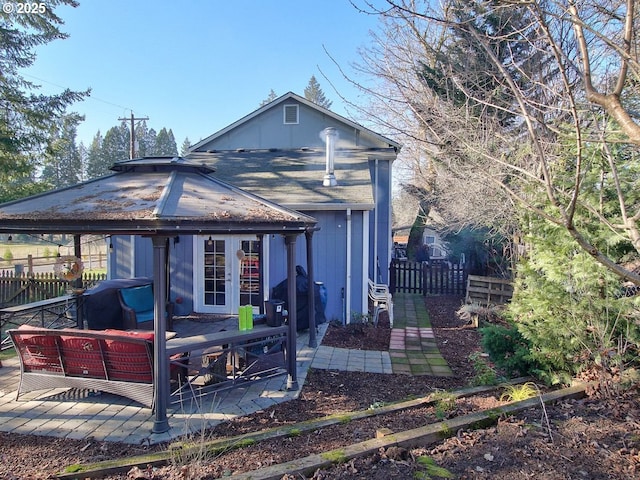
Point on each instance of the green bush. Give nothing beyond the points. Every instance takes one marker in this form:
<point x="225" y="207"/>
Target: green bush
<point x="8" y="255"/>
<point x="509" y="350"/>
<point x="568" y="309"/>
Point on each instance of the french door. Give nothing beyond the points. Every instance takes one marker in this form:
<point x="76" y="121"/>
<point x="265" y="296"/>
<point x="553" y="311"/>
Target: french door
<point x="228" y="273"/>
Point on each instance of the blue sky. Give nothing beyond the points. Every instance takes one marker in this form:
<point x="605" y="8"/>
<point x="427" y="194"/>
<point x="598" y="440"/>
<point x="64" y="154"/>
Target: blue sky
<point x="196" y="66"/>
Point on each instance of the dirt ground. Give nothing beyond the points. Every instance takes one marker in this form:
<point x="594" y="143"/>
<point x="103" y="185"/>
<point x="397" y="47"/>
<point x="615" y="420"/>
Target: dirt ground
<point x="593" y="438"/>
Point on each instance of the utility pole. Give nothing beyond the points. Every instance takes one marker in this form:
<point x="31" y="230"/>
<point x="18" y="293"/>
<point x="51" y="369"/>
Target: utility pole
<point x="132" y="149"/>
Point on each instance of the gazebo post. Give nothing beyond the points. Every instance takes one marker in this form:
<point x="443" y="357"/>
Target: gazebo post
<point x="311" y="291"/>
<point x="292" y="379"/>
<point x="160" y="362"/>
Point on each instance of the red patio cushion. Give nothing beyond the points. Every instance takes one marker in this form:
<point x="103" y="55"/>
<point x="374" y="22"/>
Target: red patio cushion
<point x="82" y="356"/>
<point x="38" y="352"/>
<point x="127" y="361"/>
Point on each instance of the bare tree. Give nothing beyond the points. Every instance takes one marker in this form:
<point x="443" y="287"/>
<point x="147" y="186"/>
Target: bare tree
<point x="504" y="105"/>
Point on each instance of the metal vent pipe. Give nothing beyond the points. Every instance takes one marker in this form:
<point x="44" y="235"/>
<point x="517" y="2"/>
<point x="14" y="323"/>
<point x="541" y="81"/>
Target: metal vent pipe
<point x="329" y="177"/>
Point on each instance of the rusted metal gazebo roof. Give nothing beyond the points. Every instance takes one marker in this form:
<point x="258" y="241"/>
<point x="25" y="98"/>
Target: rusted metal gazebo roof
<point x="151" y="196"/>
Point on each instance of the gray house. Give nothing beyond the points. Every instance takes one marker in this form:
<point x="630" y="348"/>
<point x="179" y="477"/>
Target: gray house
<point x="303" y="157"/>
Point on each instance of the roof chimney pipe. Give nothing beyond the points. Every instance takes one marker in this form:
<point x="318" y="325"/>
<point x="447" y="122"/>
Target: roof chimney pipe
<point x="329" y="178"/>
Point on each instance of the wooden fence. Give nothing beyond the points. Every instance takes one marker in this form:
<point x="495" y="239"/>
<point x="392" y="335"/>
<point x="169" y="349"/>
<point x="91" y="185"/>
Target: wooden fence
<point x="432" y="278"/>
<point x="18" y="289"/>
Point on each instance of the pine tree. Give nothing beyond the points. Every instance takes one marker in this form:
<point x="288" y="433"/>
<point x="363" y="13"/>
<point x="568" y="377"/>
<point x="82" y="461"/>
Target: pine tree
<point x="150" y="140"/>
<point x="26" y="116"/>
<point x="270" y="98"/>
<point x="184" y="150"/>
<point x="173" y="147"/>
<point x="314" y="93"/>
<point x="142" y="139"/>
<point x="165" y="144"/>
<point x="63" y="166"/>
<point x="94" y="166"/>
<point x="115" y="146"/>
<point x="83" y="152"/>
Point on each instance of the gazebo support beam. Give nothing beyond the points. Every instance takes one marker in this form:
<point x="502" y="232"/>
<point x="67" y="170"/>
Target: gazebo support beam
<point x="311" y="291"/>
<point x="292" y="379"/>
<point x="160" y="362"/>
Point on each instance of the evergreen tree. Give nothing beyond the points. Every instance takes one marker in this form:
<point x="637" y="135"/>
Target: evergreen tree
<point x="94" y="163"/>
<point x="150" y="142"/>
<point x="63" y="166"/>
<point x="83" y="152"/>
<point x="270" y="98"/>
<point x="165" y="144"/>
<point x="143" y="143"/>
<point x="184" y="150"/>
<point x="173" y="147"/>
<point x="115" y="146"/>
<point x="570" y="309"/>
<point x="314" y="93"/>
<point x="26" y="116"/>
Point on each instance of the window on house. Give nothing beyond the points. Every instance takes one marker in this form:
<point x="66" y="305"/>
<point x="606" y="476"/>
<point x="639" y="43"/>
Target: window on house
<point x="429" y="240"/>
<point x="291" y="114"/>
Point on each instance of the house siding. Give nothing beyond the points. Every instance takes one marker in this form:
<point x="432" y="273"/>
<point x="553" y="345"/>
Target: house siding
<point x="330" y="259"/>
<point x="380" y="221"/>
<point x="268" y="130"/>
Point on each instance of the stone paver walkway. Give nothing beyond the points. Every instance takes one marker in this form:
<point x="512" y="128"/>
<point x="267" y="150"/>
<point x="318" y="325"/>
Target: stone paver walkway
<point x="413" y="349"/>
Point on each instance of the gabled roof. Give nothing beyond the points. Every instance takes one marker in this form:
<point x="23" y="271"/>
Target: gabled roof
<point x="293" y="178"/>
<point x="292" y="96"/>
<point x="151" y="196"/>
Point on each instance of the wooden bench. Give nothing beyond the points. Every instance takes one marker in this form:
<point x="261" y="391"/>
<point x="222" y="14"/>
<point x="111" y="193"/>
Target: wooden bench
<point x="381" y="298"/>
<point x="213" y="360"/>
<point x="111" y="361"/>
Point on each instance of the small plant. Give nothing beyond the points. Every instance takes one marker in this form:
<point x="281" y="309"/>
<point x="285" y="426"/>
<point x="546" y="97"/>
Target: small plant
<point x="445" y="430"/>
<point x="361" y="318"/>
<point x="375" y="405"/>
<point x="444" y="402"/>
<point x="8" y="255"/>
<point x="295" y="432"/>
<point x="485" y="374"/>
<point x="517" y="393"/>
<point x="429" y="469"/>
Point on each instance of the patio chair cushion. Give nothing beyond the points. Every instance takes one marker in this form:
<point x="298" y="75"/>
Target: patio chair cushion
<point x="40" y="351"/>
<point x="82" y="356"/>
<point x="140" y="300"/>
<point x="129" y="361"/>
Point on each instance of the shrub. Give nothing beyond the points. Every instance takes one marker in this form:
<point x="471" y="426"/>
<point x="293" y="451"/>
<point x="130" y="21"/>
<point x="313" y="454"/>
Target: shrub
<point x="484" y="373"/>
<point x="568" y="309"/>
<point x="8" y="255"/>
<point x="509" y="350"/>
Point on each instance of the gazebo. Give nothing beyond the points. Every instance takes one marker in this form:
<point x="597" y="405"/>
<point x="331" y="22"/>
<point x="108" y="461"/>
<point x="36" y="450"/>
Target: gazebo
<point x="161" y="197"/>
